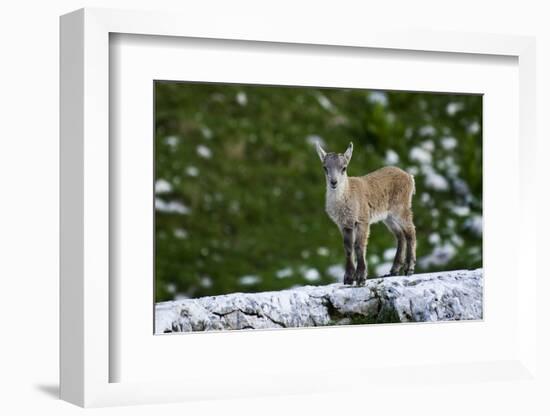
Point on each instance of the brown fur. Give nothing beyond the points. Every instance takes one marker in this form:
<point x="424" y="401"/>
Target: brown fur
<point x="354" y="203"/>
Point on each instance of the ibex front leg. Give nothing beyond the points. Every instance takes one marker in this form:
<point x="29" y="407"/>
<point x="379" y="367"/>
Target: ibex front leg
<point x="361" y="238"/>
<point x="348" y="247"/>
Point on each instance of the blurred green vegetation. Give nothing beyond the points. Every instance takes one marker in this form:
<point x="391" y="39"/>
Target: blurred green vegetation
<point x="240" y="191"/>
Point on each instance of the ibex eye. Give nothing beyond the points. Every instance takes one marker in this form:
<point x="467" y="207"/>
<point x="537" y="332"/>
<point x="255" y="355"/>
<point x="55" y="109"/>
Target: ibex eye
<point x="343" y="170"/>
<point x="326" y="170"/>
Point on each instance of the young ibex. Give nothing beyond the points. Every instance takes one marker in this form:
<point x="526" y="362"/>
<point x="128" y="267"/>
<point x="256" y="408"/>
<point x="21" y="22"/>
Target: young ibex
<point x="354" y="203"/>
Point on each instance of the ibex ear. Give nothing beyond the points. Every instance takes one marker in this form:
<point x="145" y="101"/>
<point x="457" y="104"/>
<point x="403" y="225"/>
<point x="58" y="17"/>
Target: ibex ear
<point x="349" y="152"/>
<point x="320" y="151"/>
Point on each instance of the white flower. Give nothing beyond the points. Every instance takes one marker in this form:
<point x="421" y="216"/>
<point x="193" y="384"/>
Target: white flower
<point x="474" y="127"/>
<point x="434" y="180"/>
<point x="249" y="280"/>
<point x="207" y="133"/>
<point x="171" y="207"/>
<point x="389" y="254"/>
<point x="434" y="238"/>
<point x="180" y="233"/>
<point x="323" y="251"/>
<point x="192" y="171"/>
<point x="171" y="141"/>
<point x="311" y="274"/>
<point x="392" y="158"/>
<point x="413" y="170"/>
<point x="428" y="145"/>
<point x="162" y="186"/>
<point x="378" y="97"/>
<point x="439" y="256"/>
<point x="313" y="139"/>
<point x="427" y="130"/>
<point x="475" y="224"/>
<point x="336" y="271"/>
<point x="453" y="108"/>
<point x="284" y="273"/>
<point x="204" y="151"/>
<point x="448" y="143"/>
<point x="420" y="155"/>
<point x="461" y="211"/>
<point x="324" y="102"/>
<point x="242" y="99"/>
<point x="206" y="281"/>
<point x="457" y="240"/>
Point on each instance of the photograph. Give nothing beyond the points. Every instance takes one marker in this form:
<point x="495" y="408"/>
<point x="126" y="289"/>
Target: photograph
<point x="300" y="206"/>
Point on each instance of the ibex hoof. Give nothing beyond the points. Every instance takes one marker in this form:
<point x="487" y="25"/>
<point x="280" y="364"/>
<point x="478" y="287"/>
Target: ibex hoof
<point x="348" y="279"/>
<point x="409" y="272"/>
<point x="360" y="277"/>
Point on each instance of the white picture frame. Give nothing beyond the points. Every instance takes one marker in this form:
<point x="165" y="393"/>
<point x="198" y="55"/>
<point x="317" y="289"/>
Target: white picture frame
<point x="86" y="304"/>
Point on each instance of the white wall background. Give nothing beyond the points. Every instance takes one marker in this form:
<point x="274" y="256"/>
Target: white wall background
<point x="29" y="207"/>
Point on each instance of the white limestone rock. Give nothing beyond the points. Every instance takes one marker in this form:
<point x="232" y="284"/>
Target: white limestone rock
<point x="442" y="296"/>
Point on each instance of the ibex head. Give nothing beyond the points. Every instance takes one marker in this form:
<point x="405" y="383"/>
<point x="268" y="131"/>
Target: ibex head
<point x="335" y="165"/>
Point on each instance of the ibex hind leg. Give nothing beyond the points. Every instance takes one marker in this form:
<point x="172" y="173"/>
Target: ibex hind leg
<point x="399" y="259"/>
<point x="407" y="224"/>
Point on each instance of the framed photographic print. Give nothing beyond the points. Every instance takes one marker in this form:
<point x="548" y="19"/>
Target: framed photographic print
<point x="236" y="209"/>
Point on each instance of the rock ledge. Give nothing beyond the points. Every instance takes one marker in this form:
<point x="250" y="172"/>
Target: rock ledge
<point x="442" y="296"/>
